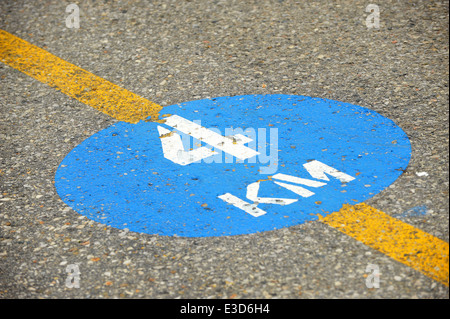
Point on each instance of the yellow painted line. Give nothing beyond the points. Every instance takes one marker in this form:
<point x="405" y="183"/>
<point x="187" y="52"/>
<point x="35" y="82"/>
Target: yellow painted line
<point x="75" y="82"/>
<point x="400" y="241"/>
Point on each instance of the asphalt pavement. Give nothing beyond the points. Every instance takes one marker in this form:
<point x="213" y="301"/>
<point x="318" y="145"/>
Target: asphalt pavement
<point x="172" y="52"/>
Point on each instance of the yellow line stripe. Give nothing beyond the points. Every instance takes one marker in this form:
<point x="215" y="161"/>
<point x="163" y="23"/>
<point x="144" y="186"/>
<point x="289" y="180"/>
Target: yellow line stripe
<point x="80" y="84"/>
<point x="400" y="241"/>
<point x="374" y="228"/>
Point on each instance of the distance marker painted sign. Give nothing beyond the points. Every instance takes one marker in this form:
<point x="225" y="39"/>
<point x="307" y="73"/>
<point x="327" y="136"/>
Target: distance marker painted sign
<point x="233" y="165"/>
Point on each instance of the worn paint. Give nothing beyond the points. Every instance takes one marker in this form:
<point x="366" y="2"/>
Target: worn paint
<point x="124" y="175"/>
<point x="75" y="82"/>
<point x="400" y="241"/>
<point x="416" y="211"/>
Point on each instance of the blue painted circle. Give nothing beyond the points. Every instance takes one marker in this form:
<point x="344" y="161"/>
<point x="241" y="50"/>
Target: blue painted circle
<point x="120" y="177"/>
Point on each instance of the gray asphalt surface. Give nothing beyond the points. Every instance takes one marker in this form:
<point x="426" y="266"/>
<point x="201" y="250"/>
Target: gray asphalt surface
<point x="178" y="51"/>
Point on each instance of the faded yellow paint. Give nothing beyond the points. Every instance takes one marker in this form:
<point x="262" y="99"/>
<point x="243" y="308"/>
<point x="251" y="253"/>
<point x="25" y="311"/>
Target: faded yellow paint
<point x="400" y="241"/>
<point x="75" y="82"/>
